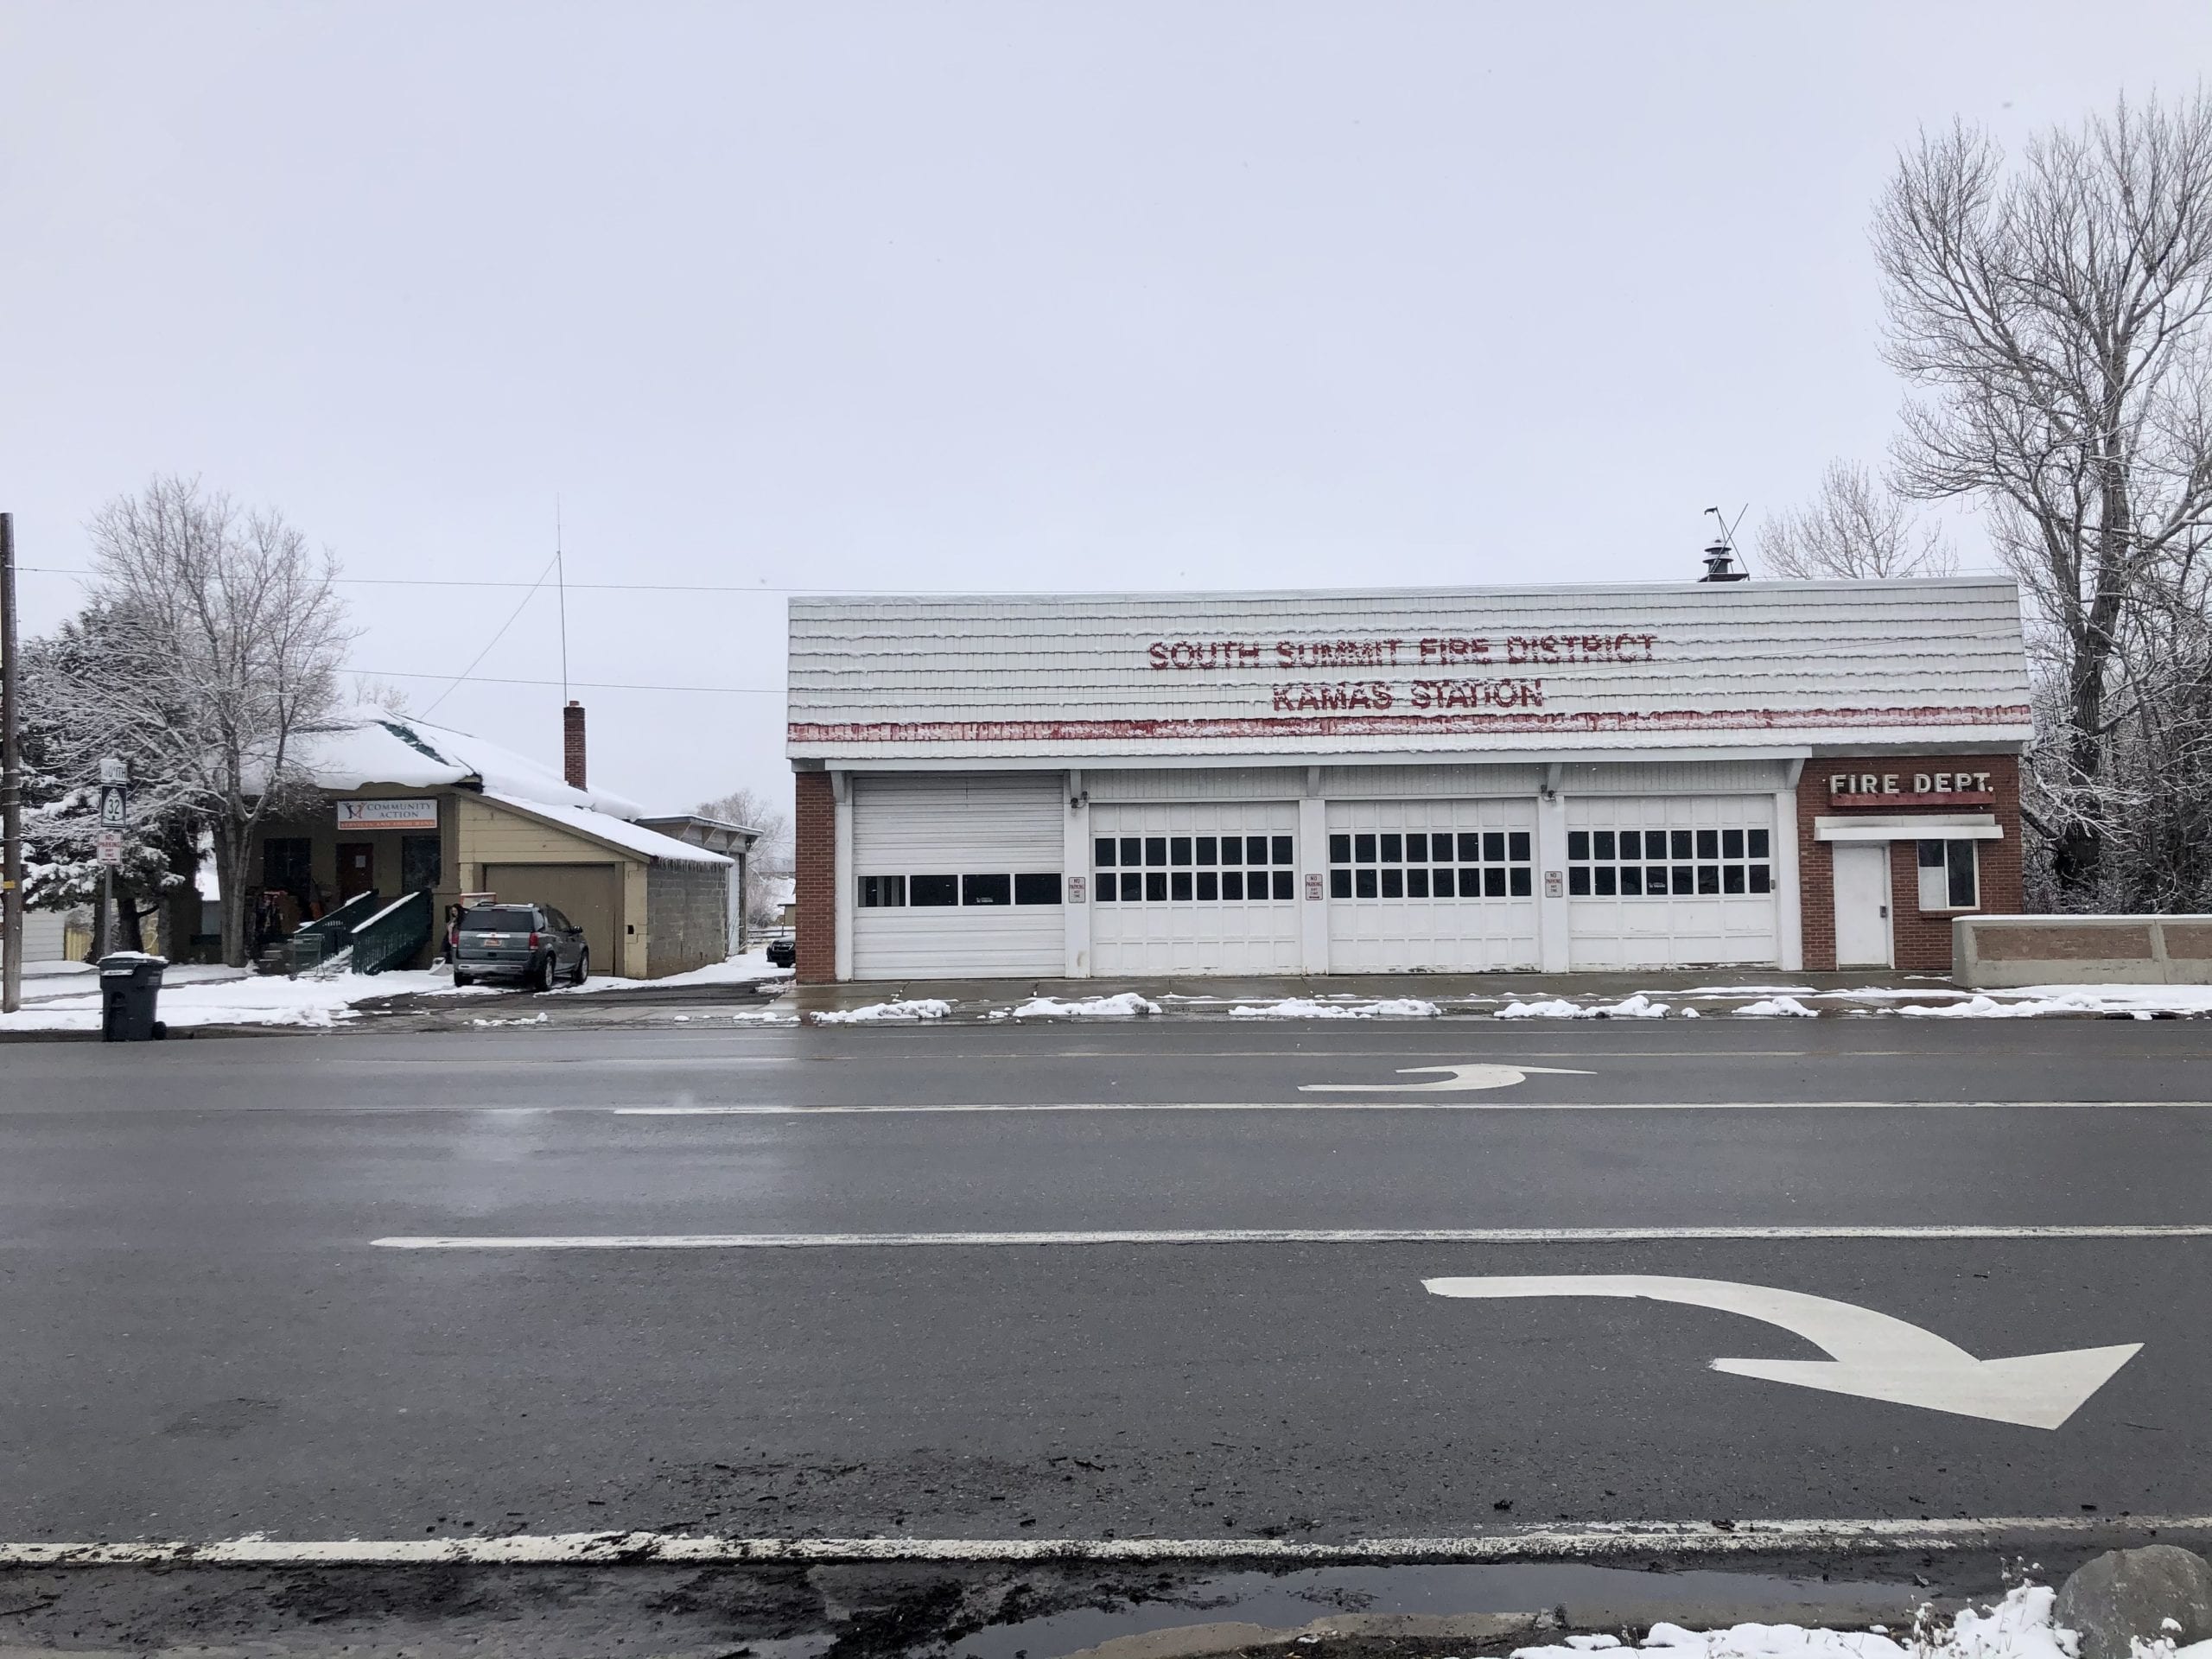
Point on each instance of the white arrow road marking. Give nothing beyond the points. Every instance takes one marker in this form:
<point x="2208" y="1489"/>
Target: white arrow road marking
<point x="1455" y="1077"/>
<point x="1871" y="1355"/>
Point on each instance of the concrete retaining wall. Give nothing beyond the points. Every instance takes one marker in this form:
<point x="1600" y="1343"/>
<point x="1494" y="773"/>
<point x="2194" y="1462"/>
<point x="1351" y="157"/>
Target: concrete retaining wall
<point x="1996" y="951"/>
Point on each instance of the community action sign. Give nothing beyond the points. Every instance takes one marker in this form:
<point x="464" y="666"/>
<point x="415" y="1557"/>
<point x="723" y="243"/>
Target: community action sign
<point x="388" y="815"/>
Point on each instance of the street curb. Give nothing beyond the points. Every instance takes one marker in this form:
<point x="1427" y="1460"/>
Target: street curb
<point x="1583" y="1542"/>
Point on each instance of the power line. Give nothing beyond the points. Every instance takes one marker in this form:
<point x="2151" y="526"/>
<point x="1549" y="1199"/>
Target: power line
<point x="585" y="686"/>
<point x="581" y="587"/>
<point x="496" y="637"/>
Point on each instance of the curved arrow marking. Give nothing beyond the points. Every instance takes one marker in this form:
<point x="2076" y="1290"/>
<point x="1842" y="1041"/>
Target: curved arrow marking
<point x="1455" y="1077"/>
<point x="1871" y="1355"/>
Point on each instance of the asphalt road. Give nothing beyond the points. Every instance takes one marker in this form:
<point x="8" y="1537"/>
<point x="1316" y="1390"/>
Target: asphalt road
<point x="205" y="1340"/>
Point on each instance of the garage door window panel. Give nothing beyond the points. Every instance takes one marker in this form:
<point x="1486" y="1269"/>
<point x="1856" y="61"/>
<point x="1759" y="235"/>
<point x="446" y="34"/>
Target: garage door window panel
<point x="1604" y="863"/>
<point x="1402" y="868"/>
<point x="1199" y="869"/>
<point x="941" y="891"/>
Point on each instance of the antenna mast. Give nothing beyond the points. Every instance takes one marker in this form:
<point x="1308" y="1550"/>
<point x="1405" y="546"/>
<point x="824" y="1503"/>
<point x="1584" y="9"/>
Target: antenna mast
<point x="560" y="578"/>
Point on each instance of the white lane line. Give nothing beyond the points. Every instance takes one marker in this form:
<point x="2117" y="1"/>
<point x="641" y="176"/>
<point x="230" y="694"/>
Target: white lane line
<point x="1255" y="1236"/>
<point x="1401" y="1105"/>
<point x="1693" y="1538"/>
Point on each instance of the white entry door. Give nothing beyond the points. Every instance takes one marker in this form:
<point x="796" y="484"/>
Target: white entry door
<point x="1862" y="904"/>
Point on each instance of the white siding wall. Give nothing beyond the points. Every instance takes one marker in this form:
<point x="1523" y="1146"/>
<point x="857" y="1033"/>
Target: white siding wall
<point x="1675" y="777"/>
<point x="1195" y="784"/>
<point x="956" y="825"/>
<point x="1379" y="782"/>
<point x="42" y="936"/>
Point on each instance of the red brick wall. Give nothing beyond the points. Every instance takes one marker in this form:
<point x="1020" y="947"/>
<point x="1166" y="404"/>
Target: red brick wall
<point x="572" y="745"/>
<point x="1923" y="938"/>
<point x="814" y="868"/>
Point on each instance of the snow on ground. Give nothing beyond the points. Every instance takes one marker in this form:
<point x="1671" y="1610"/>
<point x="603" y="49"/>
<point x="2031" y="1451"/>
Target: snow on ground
<point x="1747" y="990"/>
<point x="1126" y="1006"/>
<point x="2141" y="1001"/>
<point x="749" y="969"/>
<point x="1638" y="1007"/>
<point x="238" y="998"/>
<point x="1891" y="993"/>
<point x="927" y="1007"/>
<point x="1305" y="1008"/>
<point x="1777" y="1005"/>
<point x="764" y="1017"/>
<point x="2019" y="1627"/>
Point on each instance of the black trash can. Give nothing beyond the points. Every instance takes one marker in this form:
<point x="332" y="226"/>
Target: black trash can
<point x="129" y="983"/>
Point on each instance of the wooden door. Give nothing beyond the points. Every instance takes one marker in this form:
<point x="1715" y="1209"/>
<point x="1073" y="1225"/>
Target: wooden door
<point x="357" y="868"/>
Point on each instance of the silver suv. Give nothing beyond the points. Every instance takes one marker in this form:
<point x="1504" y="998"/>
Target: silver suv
<point x="535" y="943"/>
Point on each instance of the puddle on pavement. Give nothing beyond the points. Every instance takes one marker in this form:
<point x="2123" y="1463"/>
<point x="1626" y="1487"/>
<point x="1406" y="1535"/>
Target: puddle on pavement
<point x="1600" y="1598"/>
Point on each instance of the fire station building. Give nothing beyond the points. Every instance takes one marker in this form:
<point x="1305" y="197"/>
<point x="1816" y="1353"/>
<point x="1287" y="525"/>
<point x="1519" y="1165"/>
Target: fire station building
<point x="1793" y="775"/>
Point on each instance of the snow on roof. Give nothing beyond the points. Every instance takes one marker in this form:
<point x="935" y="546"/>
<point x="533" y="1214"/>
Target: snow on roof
<point x="1560" y="670"/>
<point x="378" y="747"/>
<point x="615" y="832"/>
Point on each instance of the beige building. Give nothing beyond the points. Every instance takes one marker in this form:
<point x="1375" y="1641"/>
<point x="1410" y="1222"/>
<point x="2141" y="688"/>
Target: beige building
<point x="409" y="818"/>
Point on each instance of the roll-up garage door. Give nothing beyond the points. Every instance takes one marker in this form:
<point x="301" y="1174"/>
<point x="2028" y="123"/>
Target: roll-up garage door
<point x="1436" y="885"/>
<point x="1671" y="880"/>
<point x="1194" y="888"/>
<point x="958" y="874"/>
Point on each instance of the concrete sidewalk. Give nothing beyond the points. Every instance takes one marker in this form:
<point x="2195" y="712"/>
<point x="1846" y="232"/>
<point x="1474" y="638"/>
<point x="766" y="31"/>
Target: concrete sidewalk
<point x="1708" y="990"/>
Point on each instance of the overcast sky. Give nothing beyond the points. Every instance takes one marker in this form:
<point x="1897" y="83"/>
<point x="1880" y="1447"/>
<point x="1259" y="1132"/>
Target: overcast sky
<point x="1034" y="296"/>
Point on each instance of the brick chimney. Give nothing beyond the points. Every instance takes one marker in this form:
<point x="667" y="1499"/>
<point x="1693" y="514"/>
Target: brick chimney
<point x="572" y="745"/>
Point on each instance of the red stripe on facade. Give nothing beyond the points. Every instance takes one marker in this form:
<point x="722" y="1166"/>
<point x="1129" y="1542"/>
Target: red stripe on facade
<point x="1674" y="720"/>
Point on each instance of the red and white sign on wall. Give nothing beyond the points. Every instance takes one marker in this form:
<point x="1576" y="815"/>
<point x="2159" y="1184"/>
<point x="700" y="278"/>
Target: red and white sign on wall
<point x="1910" y="789"/>
<point x="388" y="815"/>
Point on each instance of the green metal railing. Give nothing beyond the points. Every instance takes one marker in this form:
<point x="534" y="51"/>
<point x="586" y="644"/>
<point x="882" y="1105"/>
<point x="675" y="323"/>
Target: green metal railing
<point x="393" y="935"/>
<point x="329" y="933"/>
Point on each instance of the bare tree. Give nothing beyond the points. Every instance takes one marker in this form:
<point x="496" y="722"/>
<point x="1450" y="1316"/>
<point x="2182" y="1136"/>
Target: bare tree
<point x="228" y="642"/>
<point x="770" y="862"/>
<point x="2055" y="316"/>
<point x="1856" y="527"/>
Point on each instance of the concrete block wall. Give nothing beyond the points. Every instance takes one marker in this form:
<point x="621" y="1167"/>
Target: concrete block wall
<point x="1923" y="938"/>
<point x="814" y="868"/>
<point x="2015" y="950"/>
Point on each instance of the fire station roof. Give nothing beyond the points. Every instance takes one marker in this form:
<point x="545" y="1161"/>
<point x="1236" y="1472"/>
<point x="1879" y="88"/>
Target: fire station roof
<point x="1928" y="663"/>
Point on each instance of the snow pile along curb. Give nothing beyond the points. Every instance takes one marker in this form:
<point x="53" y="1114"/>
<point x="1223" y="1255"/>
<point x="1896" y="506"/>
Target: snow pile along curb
<point x="1638" y="1007"/>
<point x="2019" y="1627"/>
<point x="1773" y="1006"/>
<point x="927" y="1007"/>
<point x="1126" y="1005"/>
<point x="1302" y="1007"/>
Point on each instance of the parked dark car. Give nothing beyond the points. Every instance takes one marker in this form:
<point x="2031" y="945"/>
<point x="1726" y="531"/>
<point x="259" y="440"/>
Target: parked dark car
<point x="535" y="943"/>
<point x="783" y="953"/>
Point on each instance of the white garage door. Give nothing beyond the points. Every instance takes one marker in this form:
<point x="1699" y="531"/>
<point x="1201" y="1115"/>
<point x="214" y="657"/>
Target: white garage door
<point x="1670" y="880"/>
<point x="1194" y="888"/>
<point x="958" y="876"/>
<point x="1443" y="885"/>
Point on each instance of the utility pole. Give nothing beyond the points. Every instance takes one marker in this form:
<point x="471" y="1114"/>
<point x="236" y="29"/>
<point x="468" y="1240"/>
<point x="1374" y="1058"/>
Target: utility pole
<point x="11" y="778"/>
